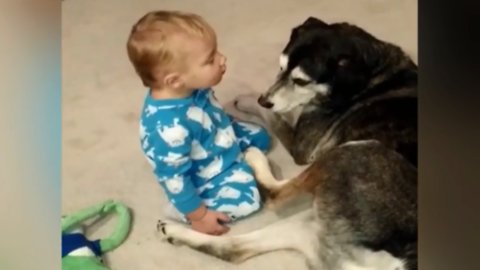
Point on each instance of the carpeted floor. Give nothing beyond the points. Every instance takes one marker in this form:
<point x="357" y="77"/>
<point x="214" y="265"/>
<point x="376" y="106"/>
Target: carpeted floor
<point x="102" y="98"/>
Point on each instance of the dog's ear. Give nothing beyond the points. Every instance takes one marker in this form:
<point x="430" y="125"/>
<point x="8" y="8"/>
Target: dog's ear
<point x="314" y="21"/>
<point x="343" y="61"/>
<point x="350" y="73"/>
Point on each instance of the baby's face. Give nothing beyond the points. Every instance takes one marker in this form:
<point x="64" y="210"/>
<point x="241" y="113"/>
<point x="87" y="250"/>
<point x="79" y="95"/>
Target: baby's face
<point x="204" y="64"/>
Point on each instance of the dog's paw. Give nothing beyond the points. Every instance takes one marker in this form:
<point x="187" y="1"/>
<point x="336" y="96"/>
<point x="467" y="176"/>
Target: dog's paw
<point x="258" y="161"/>
<point x="256" y="158"/>
<point x="247" y="103"/>
<point x="271" y="206"/>
<point x="167" y="232"/>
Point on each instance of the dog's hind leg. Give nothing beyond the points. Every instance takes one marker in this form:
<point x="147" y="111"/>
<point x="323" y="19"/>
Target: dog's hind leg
<point x="296" y="233"/>
<point x="274" y="191"/>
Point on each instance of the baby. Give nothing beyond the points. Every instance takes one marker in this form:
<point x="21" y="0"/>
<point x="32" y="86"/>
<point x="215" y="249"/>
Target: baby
<point x="194" y="147"/>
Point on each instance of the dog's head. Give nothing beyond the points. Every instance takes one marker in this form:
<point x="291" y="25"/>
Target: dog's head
<point x="323" y="63"/>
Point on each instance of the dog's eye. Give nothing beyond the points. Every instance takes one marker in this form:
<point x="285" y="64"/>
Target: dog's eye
<point x="300" y="82"/>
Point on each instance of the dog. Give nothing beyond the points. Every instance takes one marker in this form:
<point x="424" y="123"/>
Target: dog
<point x="350" y="85"/>
<point x="357" y="130"/>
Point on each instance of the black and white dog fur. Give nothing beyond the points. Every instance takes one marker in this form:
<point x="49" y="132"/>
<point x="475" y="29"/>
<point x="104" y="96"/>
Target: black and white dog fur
<point x="358" y="131"/>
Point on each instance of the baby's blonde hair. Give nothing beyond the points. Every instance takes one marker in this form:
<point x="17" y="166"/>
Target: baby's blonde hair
<point x="149" y="45"/>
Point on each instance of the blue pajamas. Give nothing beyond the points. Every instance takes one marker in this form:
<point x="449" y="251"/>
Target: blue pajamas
<point x="250" y="134"/>
<point x="196" y="151"/>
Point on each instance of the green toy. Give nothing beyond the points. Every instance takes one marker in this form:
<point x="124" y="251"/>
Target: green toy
<point x="79" y="253"/>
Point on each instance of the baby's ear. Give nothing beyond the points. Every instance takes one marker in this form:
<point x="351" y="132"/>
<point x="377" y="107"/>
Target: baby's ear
<point x="173" y="80"/>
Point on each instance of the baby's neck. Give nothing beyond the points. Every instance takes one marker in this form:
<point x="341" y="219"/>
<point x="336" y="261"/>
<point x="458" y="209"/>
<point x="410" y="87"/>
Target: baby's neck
<point x="167" y="93"/>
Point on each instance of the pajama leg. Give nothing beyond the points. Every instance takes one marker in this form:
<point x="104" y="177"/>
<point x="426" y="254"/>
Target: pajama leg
<point x="236" y="194"/>
<point x="250" y="134"/>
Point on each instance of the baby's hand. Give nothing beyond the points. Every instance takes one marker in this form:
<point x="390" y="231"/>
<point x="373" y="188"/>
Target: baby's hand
<point x="210" y="223"/>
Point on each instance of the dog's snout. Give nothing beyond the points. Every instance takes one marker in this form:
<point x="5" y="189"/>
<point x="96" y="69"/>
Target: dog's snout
<point x="263" y="101"/>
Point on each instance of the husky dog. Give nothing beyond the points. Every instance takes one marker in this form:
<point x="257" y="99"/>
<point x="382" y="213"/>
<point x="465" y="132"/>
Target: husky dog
<point x="349" y="85"/>
<point x="358" y="131"/>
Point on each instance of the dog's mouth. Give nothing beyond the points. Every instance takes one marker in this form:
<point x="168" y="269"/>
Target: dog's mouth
<point x="286" y="109"/>
<point x="268" y="99"/>
<point x="283" y="98"/>
<point x="279" y="105"/>
<point x="264" y="102"/>
<point x="292" y="89"/>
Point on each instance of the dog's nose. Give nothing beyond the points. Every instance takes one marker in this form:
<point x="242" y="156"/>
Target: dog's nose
<point x="263" y="101"/>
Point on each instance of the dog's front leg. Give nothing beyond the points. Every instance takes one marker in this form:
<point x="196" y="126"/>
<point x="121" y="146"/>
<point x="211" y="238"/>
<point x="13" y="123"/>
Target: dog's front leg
<point x="294" y="233"/>
<point x="312" y="137"/>
<point x="276" y="192"/>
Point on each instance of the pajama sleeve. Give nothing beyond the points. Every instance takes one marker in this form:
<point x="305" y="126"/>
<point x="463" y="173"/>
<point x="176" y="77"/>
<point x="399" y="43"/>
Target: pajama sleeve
<point x="172" y="147"/>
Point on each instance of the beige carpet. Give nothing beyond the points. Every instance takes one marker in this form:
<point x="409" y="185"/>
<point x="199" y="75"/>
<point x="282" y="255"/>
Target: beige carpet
<point x="102" y="98"/>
